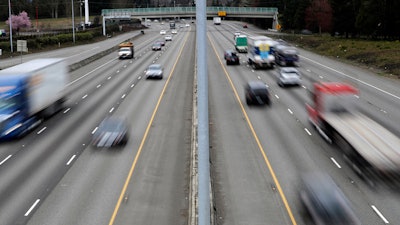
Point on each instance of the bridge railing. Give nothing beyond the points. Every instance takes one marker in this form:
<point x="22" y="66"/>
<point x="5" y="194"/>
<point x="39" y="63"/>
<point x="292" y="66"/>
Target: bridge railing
<point x="187" y="10"/>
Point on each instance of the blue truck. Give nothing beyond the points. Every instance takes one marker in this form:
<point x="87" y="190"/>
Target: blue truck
<point x="29" y="93"/>
<point x="286" y="55"/>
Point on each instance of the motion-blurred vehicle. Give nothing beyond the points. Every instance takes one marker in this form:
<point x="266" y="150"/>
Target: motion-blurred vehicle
<point x="168" y="37"/>
<point x="371" y="148"/>
<point x="126" y="50"/>
<point x="260" y="52"/>
<point x="29" y="93"/>
<point x="237" y="33"/>
<point x="285" y="54"/>
<point x="231" y="57"/>
<point x="174" y="31"/>
<point x="187" y="25"/>
<point x="154" y="71"/>
<point x="257" y="93"/>
<point x="161" y="42"/>
<point x="325" y="202"/>
<point x="241" y="43"/>
<point x="244" y="25"/>
<point x="289" y="76"/>
<point x="156" y="47"/>
<point x="112" y="131"/>
<point x="217" y="20"/>
<point x="163" y="32"/>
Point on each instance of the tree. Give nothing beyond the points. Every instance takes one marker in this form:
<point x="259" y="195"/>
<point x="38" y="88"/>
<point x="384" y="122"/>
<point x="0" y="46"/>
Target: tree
<point x="344" y="16"/>
<point x="319" y="16"/>
<point x="20" y="21"/>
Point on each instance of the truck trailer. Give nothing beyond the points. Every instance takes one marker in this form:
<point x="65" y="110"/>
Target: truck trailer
<point x="29" y="93"/>
<point x="370" y="147"/>
<point x="241" y="43"/>
<point x="260" y="52"/>
<point x="126" y="50"/>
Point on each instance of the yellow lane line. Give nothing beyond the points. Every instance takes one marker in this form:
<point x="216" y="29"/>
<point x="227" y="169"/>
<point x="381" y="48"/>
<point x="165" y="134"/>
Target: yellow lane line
<point x="125" y="187"/>
<point x="278" y="186"/>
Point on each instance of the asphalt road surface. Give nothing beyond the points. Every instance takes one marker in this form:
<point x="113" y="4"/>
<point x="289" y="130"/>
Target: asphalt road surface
<point x="53" y="175"/>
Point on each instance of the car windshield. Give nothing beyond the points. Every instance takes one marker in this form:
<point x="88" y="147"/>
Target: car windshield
<point x="111" y="124"/>
<point x="154" y="67"/>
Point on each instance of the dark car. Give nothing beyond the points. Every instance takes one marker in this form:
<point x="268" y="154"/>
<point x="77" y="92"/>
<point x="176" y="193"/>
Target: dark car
<point x="231" y="57"/>
<point x="257" y="93"/>
<point x="156" y="47"/>
<point x="112" y="131"/>
<point x="244" y="25"/>
<point x="325" y="202"/>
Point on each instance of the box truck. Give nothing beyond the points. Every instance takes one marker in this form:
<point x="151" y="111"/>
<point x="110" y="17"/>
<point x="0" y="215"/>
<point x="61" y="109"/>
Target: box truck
<point x="29" y="93"/>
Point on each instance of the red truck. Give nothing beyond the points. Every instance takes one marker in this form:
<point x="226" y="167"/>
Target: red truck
<point x="368" y="145"/>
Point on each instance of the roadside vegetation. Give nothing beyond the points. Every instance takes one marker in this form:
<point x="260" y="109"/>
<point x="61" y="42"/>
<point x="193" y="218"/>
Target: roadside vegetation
<point x="379" y="55"/>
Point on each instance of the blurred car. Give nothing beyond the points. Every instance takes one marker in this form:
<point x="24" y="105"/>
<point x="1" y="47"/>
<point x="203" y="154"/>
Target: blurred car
<point x="325" y="202"/>
<point x="180" y="26"/>
<point x="174" y="31"/>
<point x="156" y="47"/>
<point x="161" y="42"/>
<point x="231" y="57"/>
<point x="154" y="71"/>
<point x="168" y="37"/>
<point x="237" y="33"/>
<point x="187" y="25"/>
<point x="244" y="25"/>
<point x="163" y="32"/>
<point x="289" y="76"/>
<point x="112" y="131"/>
<point x="257" y="93"/>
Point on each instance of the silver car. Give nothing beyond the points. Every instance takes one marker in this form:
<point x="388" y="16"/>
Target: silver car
<point x="154" y="71"/>
<point x="289" y="76"/>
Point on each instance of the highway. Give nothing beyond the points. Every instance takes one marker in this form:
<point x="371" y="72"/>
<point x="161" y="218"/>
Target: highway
<point x="53" y="175"/>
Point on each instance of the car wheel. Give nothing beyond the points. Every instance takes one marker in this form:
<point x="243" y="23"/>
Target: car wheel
<point x="248" y="102"/>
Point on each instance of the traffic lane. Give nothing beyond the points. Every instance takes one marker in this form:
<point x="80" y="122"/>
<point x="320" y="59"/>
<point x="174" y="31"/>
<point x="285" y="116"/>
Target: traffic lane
<point x="293" y="100"/>
<point x="22" y="170"/>
<point x="240" y="179"/>
<point x="293" y="150"/>
<point x="379" y="96"/>
<point x="76" y="53"/>
<point x="139" y="112"/>
<point x="263" y="75"/>
<point x="160" y="182"/>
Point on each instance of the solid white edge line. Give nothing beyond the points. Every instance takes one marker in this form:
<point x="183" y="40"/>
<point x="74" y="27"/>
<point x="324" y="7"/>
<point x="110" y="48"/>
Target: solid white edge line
<point x="4" y="160"/>
<point x="348" y="76"/>
<point x="70" y="160"/>
<point x="32" y="207"/>
<point x="379" y="214"/>
<point x="336" y="163"/>
<point x="41" y="130"/>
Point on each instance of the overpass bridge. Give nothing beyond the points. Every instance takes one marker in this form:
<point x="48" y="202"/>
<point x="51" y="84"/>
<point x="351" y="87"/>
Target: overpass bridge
<point x="178" y="12"/>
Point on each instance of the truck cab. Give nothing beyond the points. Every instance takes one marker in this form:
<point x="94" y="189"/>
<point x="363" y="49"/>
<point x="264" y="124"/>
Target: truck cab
<point x="126" y="50"/>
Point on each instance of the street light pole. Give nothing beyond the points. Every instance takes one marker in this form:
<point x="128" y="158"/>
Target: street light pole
<point x="73" y="21"/>
<point x="10" y="23"/>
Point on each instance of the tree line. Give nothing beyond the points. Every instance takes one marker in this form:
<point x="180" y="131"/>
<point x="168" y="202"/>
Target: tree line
<point x="350" y="18"/>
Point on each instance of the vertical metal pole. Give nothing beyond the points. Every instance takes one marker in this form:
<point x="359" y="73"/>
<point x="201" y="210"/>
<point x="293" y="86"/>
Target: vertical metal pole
<point x="203" y="132"/>
<point x="10" y="23"/>
<point x="73" y="21"/>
